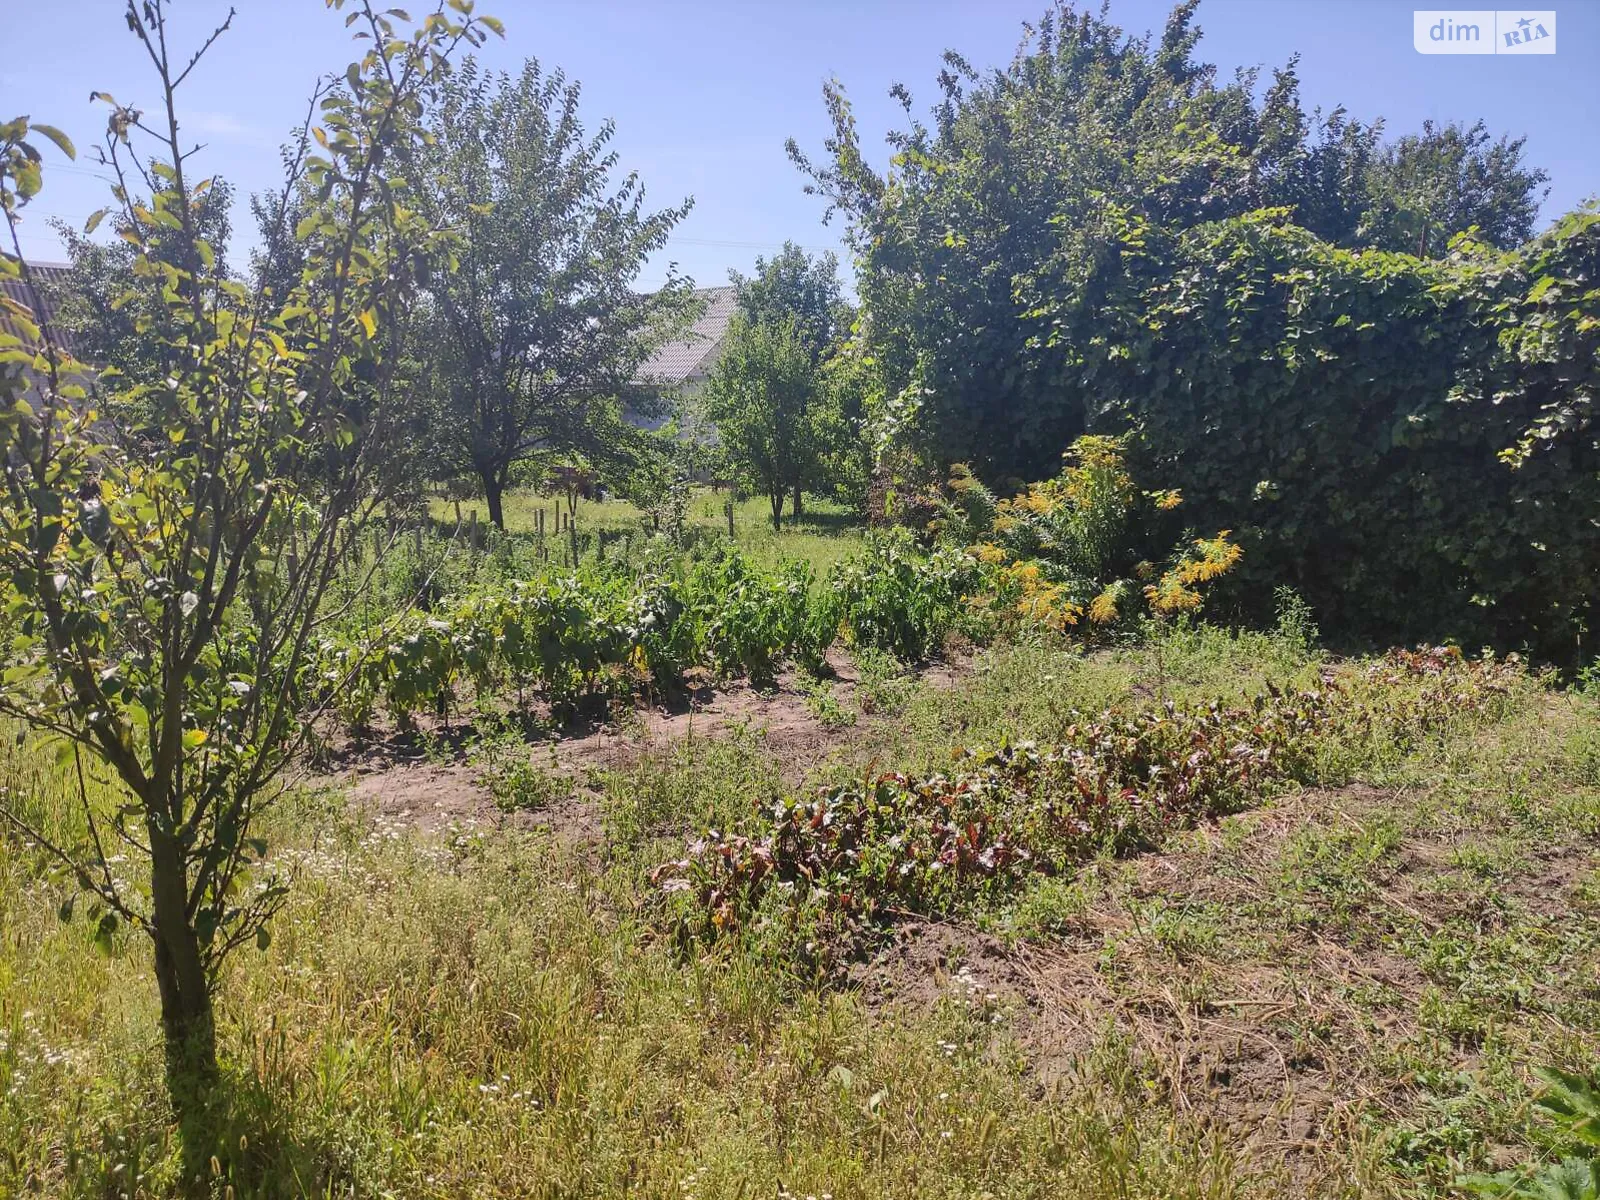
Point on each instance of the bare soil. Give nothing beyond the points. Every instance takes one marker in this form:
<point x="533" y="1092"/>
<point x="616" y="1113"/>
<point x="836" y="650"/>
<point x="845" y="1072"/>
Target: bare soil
<point x="393" y="773"/>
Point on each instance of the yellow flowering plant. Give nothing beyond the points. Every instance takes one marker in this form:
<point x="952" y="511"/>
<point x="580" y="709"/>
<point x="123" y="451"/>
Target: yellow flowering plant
<point x="1072" y="548"/>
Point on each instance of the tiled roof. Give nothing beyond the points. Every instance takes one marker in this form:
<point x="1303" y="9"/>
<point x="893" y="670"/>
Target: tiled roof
<point x="694" y="354"/>
<point x="50" y="278"/>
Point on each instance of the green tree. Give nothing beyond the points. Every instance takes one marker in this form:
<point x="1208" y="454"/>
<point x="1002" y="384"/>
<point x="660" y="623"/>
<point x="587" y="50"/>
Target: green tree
<point x="1089" y="146"/>
<point x="166" y="561"/>
<point x="762" y="398"/>
<point x="851" y="401"/>
<point x="1429" y="186"/>
<point x="534" y="331"/>
<point x="105" y="309"/>
<point x="795" y="288"/>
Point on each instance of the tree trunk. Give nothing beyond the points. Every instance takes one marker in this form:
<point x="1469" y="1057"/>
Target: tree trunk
<point x="493" y="493"/>
<point x="797" y="504"/>
<point x="776" y="499"/>
<point x="186" y="1013"/>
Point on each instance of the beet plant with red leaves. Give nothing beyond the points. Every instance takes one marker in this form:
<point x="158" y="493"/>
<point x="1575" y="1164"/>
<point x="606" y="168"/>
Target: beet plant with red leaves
<point x="855" y="856"/>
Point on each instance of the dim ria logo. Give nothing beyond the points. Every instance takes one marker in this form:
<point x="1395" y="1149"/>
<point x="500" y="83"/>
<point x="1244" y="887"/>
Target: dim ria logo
<point x="1483" y="31"/>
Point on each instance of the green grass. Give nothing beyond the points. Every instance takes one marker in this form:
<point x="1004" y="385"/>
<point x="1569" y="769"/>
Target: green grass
<point x="826" y="534"/>
<point x="498" y="1012"/>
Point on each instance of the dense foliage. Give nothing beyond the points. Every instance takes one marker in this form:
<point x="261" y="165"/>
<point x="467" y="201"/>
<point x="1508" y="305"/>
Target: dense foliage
<point x="1349" y="415"/>
<point x="1077" y="546"/>
<point x="1081" y="545"/>
<point x="1087" y="135"/>
<point x="1105" y="237"/>
<point x="613" y="630"/>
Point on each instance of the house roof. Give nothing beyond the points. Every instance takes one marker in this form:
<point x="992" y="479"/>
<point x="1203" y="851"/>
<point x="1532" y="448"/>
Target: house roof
<point x="693" y="355"/>
<point x="50" y="279"/>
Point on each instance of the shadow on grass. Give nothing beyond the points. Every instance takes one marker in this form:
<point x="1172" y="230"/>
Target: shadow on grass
<point x="244" y="1140"/>
<point x="247" y="1142"/>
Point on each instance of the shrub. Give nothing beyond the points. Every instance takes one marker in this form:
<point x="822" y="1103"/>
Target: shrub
<point x="751" y="620"/>
<point x="896" y="598"/>
<point x="1346" y="414"/>
<point x="420" y="667"/>
<point x="1080" y="545"/>
<point x="662" y="629"/>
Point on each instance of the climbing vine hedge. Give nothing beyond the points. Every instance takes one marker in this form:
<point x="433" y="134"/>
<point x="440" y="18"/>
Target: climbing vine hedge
<point x="1409" y="443"/>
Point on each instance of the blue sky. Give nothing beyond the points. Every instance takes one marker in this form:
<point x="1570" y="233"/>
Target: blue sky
<point x="705" y="94"/>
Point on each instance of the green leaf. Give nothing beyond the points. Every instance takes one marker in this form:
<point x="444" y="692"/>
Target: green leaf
<point x="62" y="141"/>
<point x="263" y="937"/>
<point x="94" y="220"/>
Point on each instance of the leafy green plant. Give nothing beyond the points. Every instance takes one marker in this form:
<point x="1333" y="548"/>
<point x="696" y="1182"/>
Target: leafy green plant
<point x="573" y="637"/>
<point x="1295" y="623"/>
<point x="764" y="397"/>
<point x="896" y="598"/>
<point x="1074" y="546"/>
<point x="421" y="668"/>
<point x="751" y="621"/>
<point x="1573" y="1102"/>
<point x="824" y="704"/>
<point x="519" y="784"/>
<point x="1356" y="386"/>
